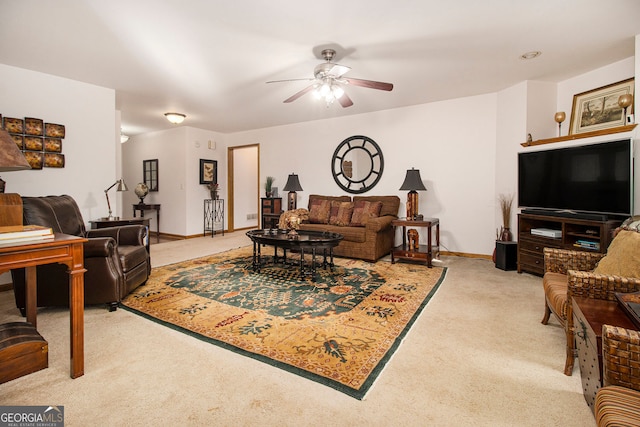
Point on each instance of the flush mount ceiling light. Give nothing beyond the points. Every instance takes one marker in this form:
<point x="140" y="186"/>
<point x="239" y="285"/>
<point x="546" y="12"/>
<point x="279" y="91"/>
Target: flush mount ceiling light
<point x="175" y="118"/>
<point x="123" y="138"/>
<point x="531" y="55"/>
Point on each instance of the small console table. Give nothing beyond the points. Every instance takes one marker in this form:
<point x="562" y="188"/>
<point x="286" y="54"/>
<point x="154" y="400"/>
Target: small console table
<point x="143" y="207"/>
<point x="427" y="252"/>
<point x="213" y="216"/>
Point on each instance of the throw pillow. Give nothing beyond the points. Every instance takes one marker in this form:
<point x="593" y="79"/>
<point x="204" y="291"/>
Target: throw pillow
<point x="341" y="213"/>
<point x="319" y="210"/>
<point x="623" y="256"/>
<point x="363" y="211"/>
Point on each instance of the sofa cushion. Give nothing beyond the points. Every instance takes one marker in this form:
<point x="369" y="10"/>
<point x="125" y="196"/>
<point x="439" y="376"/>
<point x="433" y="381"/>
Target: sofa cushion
<point x="340" y="213"/>
<point x="364" y="210"/>
<point x="319" y="210"/>
<point x="623" y="256"/>
<point x="390" y="204"/>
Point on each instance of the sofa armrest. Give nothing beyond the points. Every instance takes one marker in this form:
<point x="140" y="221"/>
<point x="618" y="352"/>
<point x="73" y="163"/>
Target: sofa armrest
<point x="563" y="260"/>
<point x="586" y="284"/>
<point x="620" y="355"/>
<point x="99" y="247"/>
<point x="379" y="223"/>
<point x="131" y="235"/>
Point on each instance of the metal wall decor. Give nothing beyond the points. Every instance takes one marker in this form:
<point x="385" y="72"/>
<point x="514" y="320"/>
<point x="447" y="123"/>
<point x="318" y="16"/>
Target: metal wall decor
<point x="40" y="142"/>
<point x="357" y="164"/>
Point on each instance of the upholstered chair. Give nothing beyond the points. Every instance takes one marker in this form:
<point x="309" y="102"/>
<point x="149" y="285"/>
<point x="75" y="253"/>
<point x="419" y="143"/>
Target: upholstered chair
<point x="618" y="401"/>
<point x="589" y="275"/>
<point x="116" y="258"/>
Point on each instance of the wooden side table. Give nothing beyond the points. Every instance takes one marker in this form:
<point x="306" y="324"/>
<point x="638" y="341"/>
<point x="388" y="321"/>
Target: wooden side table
<point x="143" y="207"/>
<point x="270" y="206"/>
<point x="427" y="252"/>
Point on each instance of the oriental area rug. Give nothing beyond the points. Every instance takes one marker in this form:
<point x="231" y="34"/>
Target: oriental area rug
<point x="339" y="330"/>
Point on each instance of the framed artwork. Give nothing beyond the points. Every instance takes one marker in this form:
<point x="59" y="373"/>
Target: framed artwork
<point x="33" y="143"/>
<point x="33" y="126"/>
<point x="208" y="171"/>
<point x="53" y="160"/>
<point x="13" y="125"/>
<point x="35" y="159"/>
<point x="598" y="109"/>
<point x="53" y="130"/>
<point x="53" y="145"/>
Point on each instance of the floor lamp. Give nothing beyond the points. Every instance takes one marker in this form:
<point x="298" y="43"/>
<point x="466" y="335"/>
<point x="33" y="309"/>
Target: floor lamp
<point x="292" y="185"/>
<point x="412" y="183"/>
<point x="121" y="187"/>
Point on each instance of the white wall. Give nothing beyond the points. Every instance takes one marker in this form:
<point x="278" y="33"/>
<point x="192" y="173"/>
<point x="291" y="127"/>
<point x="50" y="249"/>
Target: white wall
<point x="180" y="194"/>
<point x="90" y="146"/>
<point x="451" y="142"/>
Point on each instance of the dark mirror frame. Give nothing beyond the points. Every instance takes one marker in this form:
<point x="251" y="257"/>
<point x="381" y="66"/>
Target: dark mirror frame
<point x="150" y="174"/>
<point x="344" y="179"/>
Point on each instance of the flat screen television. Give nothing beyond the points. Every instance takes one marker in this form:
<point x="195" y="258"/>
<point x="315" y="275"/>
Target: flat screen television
<point x="595" y="178"/>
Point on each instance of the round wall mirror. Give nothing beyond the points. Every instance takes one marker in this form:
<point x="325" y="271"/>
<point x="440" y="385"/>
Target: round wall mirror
<point x="357" y="164"/>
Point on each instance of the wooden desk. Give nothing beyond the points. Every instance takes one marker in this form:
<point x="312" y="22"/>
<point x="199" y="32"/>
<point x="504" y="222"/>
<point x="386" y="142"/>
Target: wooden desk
<point x="63" y="249"/>
<point x="118" y="222"/>
<point x="424" y="252"/>
<point x="142" y="207"/>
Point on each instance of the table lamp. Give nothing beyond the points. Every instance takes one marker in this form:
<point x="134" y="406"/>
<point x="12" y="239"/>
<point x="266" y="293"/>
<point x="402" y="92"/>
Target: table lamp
<point x="292" y="185"/>
<point x="412" y="183"/>
<point x="121" y="187"/>
<point x="11" y="159"/>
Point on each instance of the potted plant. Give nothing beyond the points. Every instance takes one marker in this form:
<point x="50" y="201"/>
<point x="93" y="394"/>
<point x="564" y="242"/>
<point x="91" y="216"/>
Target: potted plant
<point x="506" y="202"/>
<point x="268" y="184"/>
<point x="213" y="189"/>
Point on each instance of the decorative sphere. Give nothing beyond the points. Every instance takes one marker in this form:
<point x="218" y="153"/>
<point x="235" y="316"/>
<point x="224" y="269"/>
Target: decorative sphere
<point x="141" y="190"/>
<point x="560" y="116"/>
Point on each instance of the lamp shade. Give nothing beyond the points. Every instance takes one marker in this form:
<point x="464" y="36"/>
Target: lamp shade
<point x="11" y="158"/>
<point x="122" y="186"/>
<point x="293" y="184"/>
<point x="412" y="181"/>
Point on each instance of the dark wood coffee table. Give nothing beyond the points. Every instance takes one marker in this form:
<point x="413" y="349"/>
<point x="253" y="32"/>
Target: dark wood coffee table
<point x="310" y="242"/>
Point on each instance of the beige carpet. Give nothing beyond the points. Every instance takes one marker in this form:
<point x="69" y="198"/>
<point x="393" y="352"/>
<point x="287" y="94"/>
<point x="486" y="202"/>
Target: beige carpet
<point x="477" y="355"/>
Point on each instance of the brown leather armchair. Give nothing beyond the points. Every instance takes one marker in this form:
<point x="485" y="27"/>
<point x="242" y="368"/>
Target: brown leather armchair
<point x="116" y="258"/>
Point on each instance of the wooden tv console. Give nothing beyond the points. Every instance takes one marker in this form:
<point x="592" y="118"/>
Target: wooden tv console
<point x="577" y="234"/>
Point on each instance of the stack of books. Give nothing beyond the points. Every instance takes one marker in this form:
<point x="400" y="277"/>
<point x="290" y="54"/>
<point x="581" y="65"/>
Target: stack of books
<point x="28" y="234"/>
<point x="587" y="244"/>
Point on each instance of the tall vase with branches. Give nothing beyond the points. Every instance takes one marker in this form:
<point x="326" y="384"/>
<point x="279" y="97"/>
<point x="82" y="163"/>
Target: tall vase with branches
<point x="268" y="184"/>
<point x="506" y="203"/>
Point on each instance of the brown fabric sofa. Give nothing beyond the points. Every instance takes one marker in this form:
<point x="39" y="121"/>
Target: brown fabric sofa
<point x="370" y="238"/>
<point x="116" y="258"/>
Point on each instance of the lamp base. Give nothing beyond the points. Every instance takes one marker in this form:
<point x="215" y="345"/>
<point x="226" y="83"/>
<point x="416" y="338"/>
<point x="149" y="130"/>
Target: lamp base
<point x="412" y="205"/>
<point x="292" y="200"/>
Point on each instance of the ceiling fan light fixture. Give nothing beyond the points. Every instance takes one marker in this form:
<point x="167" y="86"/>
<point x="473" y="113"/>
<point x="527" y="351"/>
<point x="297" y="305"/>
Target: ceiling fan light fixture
<point x="337" y="92"/>
<point x="175" y="118"/>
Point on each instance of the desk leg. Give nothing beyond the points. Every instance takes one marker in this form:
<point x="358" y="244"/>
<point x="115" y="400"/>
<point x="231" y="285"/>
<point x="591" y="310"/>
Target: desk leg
<point x="158" y="226"/>
<point x="31" y="297"/>
<point x="429" y="248"/>
<point x="76" y="311"/>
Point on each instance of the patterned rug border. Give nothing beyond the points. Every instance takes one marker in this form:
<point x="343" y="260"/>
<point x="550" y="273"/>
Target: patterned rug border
<point x="358" y="394"/>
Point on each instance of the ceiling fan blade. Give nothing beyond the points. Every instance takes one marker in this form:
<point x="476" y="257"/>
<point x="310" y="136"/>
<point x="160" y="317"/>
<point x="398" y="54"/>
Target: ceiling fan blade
<point x="370" y="84"/>
<point x="299" y="94"/>
<point x="291" y="80"/>
<point x="345" y="101"/>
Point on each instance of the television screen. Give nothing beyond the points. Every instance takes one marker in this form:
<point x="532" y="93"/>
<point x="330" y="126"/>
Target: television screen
<point x="594" y="178"/>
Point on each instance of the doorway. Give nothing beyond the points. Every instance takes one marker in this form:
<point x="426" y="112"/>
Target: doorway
<point x="243" y="169"/>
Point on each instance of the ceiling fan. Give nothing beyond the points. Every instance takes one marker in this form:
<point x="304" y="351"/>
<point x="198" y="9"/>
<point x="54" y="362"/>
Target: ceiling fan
<point x="329" y="80"/>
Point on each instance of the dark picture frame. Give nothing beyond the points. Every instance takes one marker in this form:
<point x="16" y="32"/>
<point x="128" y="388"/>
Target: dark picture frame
<point x="208" y="171"/>
<point x="598" y="109"/>
<point x="150" y="174"/>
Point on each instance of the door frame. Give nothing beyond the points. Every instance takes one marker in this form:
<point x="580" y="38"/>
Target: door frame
<point x="230" y="180"/>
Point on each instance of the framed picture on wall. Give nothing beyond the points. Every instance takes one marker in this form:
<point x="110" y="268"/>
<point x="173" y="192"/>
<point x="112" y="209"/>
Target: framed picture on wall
<point x="208" y="171"/>
<point x="598" y="108"/>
